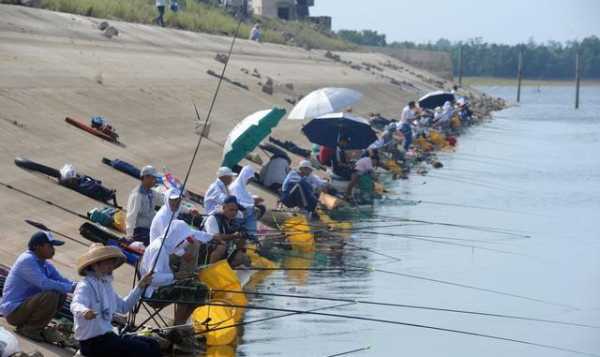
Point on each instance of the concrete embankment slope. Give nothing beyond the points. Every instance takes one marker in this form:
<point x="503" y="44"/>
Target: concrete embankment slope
<point x="144" y="81"/>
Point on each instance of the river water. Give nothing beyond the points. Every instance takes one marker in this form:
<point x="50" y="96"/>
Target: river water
<point x="533" y="174"/>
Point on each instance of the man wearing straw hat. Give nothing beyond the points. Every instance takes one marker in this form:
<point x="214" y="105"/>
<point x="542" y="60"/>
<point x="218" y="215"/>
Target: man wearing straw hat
<point x="95" y="302"/>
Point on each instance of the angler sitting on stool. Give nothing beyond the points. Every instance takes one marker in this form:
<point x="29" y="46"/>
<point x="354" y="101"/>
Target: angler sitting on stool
<point x="231" y="242"/>
<point x="95" y="302"/>
<point x="35" y="291"/>
<point x="301" y="188"/>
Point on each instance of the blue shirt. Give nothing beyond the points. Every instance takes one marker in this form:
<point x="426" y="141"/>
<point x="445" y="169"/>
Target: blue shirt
<point x="30" y="276"/>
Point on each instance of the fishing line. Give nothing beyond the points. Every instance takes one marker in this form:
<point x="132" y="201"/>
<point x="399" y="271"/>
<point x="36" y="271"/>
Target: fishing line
<point x="350" y="352"/>
<point x="410" y="324"/>
<point x="407" y="306"/>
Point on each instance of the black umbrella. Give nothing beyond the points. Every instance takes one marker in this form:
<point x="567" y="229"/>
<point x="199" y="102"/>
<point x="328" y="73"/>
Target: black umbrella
<point x="328" y="129"/>
<point x="435" y="99"/>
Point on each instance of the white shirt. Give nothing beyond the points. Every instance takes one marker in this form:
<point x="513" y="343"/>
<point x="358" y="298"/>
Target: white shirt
<point x="97" y="294"/>
<point x="407" y="115"/>
<point x="363" y="165"/>
<point x="239" y="187"/>
<point x="161" y="2"/>
<point x="174" y="244"/>
<point x="161" y="220"/>
<point x="211" y="225"/>
<point x="215" y="196"/>
<point x="140" y="208"/>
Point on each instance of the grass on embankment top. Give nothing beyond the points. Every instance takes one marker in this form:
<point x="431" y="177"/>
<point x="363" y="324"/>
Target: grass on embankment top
<point x="199" y="17"/>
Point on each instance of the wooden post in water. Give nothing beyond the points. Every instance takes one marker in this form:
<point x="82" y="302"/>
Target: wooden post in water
<point x="577" y="76"/>
<point x="519" y="74"/>
<point x="460" y="65"/>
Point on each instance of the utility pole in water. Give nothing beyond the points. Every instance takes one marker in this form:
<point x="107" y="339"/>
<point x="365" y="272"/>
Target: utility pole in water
<point x="460" y="65"/>
<point x="519" y="74"/>
<point x="577" y="75"/>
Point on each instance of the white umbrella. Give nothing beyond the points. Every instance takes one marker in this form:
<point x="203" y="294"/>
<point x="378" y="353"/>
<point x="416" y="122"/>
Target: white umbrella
<point x="324" y="101"/>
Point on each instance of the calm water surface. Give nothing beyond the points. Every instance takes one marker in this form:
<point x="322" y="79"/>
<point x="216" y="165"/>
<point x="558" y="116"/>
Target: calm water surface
<point x="532" y="170"/>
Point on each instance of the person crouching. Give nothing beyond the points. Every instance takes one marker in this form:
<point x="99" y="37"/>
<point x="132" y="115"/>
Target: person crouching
<point x="95" y="302"/>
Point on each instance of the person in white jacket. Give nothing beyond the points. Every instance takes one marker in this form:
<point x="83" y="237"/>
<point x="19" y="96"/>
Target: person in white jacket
<point x="95" y="302"/>
<point x="179" y="287"/>
<point x="247" y="200"/>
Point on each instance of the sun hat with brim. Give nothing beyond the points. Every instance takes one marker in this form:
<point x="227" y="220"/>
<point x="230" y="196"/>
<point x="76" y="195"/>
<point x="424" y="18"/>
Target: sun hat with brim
<point x="98" y="253"/>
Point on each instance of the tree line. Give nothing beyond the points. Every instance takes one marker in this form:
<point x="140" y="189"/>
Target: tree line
<point x="549" y="60"/>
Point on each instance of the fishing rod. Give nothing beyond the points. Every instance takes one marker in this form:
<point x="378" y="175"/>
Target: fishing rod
<point x="465" y="286"/>
<point x="367" y="228"/>
<point x="196" y="150"/>
<point x="44" y="228"/>
<point x="416" y="237"/>
<point x="407" y="306"/>
<point x="464" y="226"/>
<point x="472" y="183"/>
<point x="366" y="348"/>
<point x="11" y="187"/>
<point x="410" y="324"/>
<point x="451" y="283"/>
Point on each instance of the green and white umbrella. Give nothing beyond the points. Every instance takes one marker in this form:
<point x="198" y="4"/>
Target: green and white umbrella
<point x="246" y="136"/>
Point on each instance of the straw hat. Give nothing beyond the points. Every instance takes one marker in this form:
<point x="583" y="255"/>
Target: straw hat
<point x="98" y="253"/>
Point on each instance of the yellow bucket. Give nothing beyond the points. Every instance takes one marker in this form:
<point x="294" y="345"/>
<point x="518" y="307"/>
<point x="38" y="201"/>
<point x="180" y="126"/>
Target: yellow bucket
<point x="220" y="351"/>
<point x="298" y="233"/>
<point x="220" y="276"/>
<point x="257" y="260"/>
<point x="217" y="318"/>
<point x="298" y="265"/>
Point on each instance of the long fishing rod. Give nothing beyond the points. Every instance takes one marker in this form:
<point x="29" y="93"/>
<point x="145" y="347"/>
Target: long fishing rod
<point x="465" y="286"/>
<point x="43" y="227"/>
<point x="70" y="211"/>
<point x="408" y="306"/>
<point x="202" y="134"/>
<point x="410" y="324"/>
<point x="366" y="229"/>
<point x="451" y="283"/>
<point x="366" y="348"/>
<point x="244" y="323"/>
<point x="421" y="238"/>
<point x="464" y="226"/>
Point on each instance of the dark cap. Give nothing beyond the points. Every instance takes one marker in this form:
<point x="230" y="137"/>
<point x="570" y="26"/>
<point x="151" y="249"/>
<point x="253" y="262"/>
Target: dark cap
<point x="41" y="238"/>
<point x="233" y="199"/>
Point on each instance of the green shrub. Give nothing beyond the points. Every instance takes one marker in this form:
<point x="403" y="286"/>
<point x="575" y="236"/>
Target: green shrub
<point x="200" y="17"/>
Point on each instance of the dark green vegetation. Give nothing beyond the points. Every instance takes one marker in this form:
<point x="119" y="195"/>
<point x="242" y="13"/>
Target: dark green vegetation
<point x="551" y="60"/>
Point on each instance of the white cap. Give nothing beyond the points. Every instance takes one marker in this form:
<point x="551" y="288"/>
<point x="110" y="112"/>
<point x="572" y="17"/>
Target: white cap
<point x="148" y="170"/>
<point x="305" y="164"/>
<point x="173" y="194"/>
<point x="225" y="171"/>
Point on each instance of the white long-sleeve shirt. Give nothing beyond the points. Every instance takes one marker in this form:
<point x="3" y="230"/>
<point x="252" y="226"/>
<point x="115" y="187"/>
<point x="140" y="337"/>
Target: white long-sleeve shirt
<point x="215" y="196"/>
<point x="140" y="208"/>
<point x="97" y="294"/>
<point x="161" y="221"/>
<point x="174" y="244"/>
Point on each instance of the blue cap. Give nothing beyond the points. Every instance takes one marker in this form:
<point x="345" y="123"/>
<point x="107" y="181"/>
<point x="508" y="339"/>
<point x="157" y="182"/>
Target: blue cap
<point x="41" y="238"/>
<point x="233" y="199"/>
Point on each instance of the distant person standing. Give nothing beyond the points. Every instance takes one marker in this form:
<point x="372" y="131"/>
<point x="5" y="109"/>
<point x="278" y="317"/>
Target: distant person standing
<point x="160" y="6"/>
<point x="141" y="206"/>
<point x="256" y="33"/>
